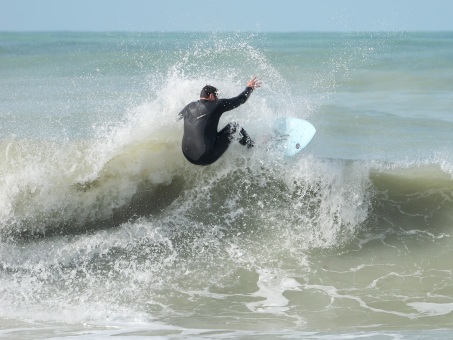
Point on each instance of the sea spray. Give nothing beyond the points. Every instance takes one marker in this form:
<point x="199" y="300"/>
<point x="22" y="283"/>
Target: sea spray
<point x="73" y="184"/>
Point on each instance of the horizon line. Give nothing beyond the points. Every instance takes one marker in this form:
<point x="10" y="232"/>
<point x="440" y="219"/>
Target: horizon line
<point x="225" y="31"/>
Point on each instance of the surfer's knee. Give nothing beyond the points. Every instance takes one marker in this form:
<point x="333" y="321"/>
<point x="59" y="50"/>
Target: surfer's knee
<point x="233" y="127"/>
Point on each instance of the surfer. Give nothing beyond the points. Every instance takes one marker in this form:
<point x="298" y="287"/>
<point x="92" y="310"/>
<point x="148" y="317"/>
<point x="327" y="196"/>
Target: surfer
<point x="202" y="144"/>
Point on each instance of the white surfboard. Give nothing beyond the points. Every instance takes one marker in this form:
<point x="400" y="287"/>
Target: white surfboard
<point x="290" y="135"/>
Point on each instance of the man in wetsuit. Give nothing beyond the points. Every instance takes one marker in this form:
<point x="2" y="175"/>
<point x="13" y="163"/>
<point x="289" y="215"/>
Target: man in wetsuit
<point x="201" y="143"/>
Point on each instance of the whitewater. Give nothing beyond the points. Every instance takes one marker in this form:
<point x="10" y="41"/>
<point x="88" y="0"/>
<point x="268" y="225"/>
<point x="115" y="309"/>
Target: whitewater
<point x="106" y="230"/>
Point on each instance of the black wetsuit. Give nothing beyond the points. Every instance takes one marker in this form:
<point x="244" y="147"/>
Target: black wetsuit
<point x="201" y="143"/>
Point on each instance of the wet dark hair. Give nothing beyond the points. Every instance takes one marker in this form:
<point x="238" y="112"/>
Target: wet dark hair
<point x="207" y="90"/>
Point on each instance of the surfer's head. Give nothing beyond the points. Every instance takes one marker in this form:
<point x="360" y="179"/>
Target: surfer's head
<point x="209" y="93"/>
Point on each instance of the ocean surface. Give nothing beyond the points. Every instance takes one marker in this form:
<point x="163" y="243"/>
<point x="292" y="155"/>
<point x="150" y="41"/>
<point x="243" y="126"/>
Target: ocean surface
<point x="106" y="230"/>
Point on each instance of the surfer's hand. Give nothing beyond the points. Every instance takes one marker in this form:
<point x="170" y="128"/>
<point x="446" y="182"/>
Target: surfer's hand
<point x="254" y="83"/>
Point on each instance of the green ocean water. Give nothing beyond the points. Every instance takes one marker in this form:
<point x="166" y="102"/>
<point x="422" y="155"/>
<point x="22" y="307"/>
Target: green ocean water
<point x="106" y="230"/>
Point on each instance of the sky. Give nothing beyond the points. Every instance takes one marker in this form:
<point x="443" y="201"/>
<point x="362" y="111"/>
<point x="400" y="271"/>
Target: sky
<point x="226" y="15"/>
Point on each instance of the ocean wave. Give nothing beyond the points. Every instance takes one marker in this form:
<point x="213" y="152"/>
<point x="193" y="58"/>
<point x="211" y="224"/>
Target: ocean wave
<point x="120" y="227"/>
<point x="52" y="189"/>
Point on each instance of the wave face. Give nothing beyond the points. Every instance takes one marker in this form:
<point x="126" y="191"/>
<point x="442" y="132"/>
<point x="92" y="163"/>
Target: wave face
<point x="106" y="229"/>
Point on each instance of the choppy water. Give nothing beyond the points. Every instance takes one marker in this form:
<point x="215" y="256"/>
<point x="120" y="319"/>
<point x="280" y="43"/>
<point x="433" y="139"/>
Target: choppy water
<point x="106" y="230"/>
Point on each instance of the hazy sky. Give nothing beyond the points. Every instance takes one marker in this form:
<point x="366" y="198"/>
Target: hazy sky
<point x="226" y="15"/>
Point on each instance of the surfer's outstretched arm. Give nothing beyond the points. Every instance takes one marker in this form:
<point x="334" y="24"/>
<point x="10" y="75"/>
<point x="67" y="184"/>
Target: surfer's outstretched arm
<point x="232" y="103"/>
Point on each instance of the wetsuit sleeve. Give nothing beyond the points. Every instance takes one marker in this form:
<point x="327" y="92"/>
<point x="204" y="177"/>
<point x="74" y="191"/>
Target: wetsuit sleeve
<point x="230" y="104"/>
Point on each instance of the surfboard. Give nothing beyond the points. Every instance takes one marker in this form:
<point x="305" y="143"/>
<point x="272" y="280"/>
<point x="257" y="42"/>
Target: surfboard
<point x="291" y="135"/>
